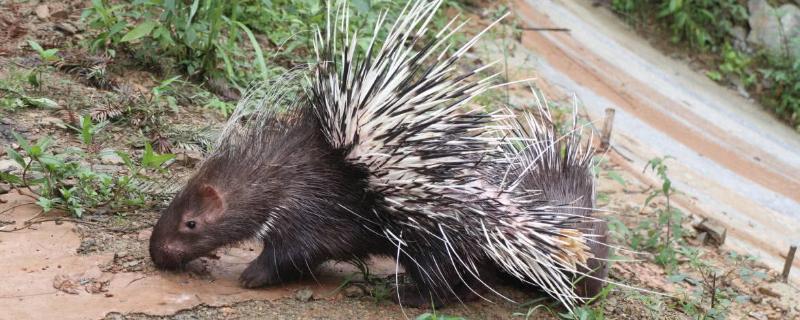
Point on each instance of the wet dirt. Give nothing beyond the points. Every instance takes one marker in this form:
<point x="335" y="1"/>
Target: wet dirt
<point x="37" y="261"/>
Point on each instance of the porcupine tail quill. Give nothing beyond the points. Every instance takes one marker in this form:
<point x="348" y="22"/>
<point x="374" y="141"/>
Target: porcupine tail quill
<point x="557" y="243"/>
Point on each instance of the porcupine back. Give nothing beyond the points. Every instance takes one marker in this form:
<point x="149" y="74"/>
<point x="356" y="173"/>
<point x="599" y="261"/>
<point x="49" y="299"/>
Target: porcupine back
<point x="397" y="111"/>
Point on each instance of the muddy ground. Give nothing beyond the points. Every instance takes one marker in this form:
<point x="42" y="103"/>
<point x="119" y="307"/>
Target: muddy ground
<point x="98" y="266"/>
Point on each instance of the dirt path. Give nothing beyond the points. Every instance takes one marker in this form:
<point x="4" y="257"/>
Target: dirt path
<point x="741" y="166"/>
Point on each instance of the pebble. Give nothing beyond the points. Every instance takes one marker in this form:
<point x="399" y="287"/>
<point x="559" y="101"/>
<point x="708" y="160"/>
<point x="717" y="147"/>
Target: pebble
<point x="109" y="157"/>
<point x="304" y="295"/>
<point x="66" y="28"/>
<point x="42" y="11"/>
<point x="4" y="188"/>
<point x="757" y="315"/>
<point x="6" y="121"/>
<point x="9" y="166"/>
<point x="131" y="263"/>
<point x="354" y="292"/>
<point x="767" y="291"/>
<point x="52" y="122"/>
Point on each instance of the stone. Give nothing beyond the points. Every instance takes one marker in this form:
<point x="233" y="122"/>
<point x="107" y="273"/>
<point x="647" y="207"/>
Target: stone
<point x="66" y="28"/>
<point x="757" y="315"/>
<point x="189" y="158"/>
<point x="304" y="295"/>
<point x="767" y="291"/>
<point x="774" y="28"/>
<point x="7" y="166"/>
<point x="42" y="11"/>
<point x="739" y="35"/>
<point x="110" y="157"/>
<point x="354" y="292"/>
<point x="716" y="231"/>
<point x="52" y="122"/>
<point x="4" y="188"/>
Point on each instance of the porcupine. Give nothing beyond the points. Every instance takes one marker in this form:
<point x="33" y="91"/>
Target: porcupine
<point x="375" y="155"/>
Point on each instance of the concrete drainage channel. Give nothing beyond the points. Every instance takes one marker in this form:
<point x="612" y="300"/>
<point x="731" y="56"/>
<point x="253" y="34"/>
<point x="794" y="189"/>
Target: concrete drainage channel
<point x="735" y="163"/>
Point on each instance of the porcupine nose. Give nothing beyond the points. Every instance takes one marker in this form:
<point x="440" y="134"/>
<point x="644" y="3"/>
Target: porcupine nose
<point x="167" y="256"/>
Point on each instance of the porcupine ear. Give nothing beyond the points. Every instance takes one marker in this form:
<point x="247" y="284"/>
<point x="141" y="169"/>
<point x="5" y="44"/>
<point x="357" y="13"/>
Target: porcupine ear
<point x="212" y="203"/>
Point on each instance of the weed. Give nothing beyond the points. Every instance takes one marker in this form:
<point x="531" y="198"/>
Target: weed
<point x="784" y="91"/>
<point x="62" y="180"/>
<point x="218" y="39"/>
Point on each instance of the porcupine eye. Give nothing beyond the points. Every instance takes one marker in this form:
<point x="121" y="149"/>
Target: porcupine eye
<point x="190" y="224"/>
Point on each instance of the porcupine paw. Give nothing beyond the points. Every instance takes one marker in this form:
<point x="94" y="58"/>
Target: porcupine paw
<point x="257" y="275"/>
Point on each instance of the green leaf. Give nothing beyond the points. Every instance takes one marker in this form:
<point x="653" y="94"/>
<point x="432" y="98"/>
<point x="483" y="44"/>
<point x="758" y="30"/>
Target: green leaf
<point x="262" y="65"/>
<point x="10" y="178"/>
<point x="35" y="45"/>
<point x="24" y="143"/>
<point x="714" y="75"/>
<point x="151" y="159"/>
<point x="16" y="157"/>
<point x="40" y="102"/>
<point x="141" y="30"/>
<point x="617" y="177"/>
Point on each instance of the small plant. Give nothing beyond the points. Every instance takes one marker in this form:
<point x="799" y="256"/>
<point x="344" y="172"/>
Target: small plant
<point x="61" y="180"/>
<point x="734" y="64"/>
<point x="46" y="56"/>
<point x="648" y="234"/>
<point x="220" y="39"/>
<point x="784" y="93"/>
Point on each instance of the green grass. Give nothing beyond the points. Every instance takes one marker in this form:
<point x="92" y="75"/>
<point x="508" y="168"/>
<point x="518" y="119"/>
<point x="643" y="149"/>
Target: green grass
<point x="239" y="41"/>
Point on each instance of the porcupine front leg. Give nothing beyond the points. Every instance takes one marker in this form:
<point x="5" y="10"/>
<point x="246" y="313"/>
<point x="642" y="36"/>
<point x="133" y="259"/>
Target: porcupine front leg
<point x="277" y="264"/>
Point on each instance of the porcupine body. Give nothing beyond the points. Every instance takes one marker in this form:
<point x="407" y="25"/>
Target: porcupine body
<point x="377" y="157"/>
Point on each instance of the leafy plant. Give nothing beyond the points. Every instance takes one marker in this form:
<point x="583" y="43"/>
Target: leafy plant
<point x="220" y="39"/>
<point x="61" y="180"/>
<point x="46" y="56"/>
<point x="784" y="93"/>
<point x="734" y="64"/>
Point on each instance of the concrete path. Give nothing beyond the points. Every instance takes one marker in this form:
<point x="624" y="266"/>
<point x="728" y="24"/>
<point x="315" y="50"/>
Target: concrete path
<point x="735" y="162"/>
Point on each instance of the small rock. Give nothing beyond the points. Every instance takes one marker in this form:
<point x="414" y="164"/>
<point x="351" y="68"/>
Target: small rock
<point x="189" y="158"/>
<point x="106" y="168"/>
<point x="65" y="284"/>
<point x="756" y="299"/>
<point x="52" y="122"/>
<point x="9" y="166"/>
<point x="758" y="315"/>
<point x="42" y="11"/>
<point x="354" y="292"/>
<point x="4" y="188"/>
<point x="110" y="157"/>
<point x="6" y="121"/>
<point x="131" y="263"/>
<point x="120" y="255"/>
<point x="66" y="28"/>
<point x="739" y="35"/>
<point x="716" y="231"/>
<point x="304" y="295"/>
<point x="767" y="291"/>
